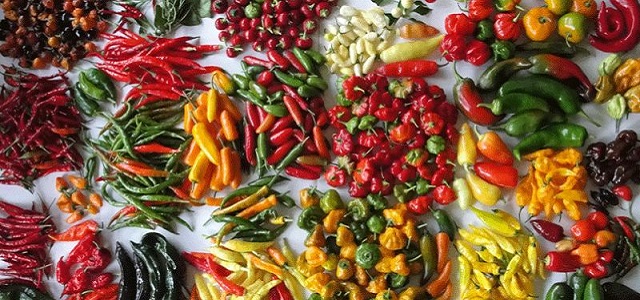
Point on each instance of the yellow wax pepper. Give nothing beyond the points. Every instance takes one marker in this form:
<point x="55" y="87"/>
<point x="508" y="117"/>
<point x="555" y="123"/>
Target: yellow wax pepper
<point x="486" y="193"/>
<point x="206" y="142"/>
<point x="467" y="152"/>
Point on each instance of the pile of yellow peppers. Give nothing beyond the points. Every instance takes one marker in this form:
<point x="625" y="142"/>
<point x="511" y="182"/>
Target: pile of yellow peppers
<point x="619" y="84"/>
<point x="212" y="121"/>
<point x="555" y="183"/>
<point x="497" y="261"/>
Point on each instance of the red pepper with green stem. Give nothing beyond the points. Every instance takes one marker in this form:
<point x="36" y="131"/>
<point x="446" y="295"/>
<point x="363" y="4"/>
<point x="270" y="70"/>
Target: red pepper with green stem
<point x="563" y="69"/>
<point x="467" y="98"/>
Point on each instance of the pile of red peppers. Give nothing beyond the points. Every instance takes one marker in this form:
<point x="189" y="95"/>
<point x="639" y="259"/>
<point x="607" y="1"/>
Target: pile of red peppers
<point x="617" y="27"/>
<point x="24" y="244"/>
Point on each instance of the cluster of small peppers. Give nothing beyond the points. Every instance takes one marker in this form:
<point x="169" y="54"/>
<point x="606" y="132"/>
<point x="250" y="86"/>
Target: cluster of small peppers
<point x="570" y="19"/>
<point x="212" y="120"/>
<point x="495" y="171"/>
<point x="253" y="270"/>
<point x="554" y="183"/>
<point x="285" y="112"/>
<point x="599" y="244"/>
<point x="82" y="272"/>
<point x="498" y="261"/>
<point x="368" y="249"/>
<point x="394" y="137"/>
<point x="23" y="245"/>
<point x="578" y="286"/>
<point x="73" y="198"/>
<point x="611" y="166"/>
<point x="619" y="86"/>
<point x="268" y="24"/>
<point x="488" y="29"/>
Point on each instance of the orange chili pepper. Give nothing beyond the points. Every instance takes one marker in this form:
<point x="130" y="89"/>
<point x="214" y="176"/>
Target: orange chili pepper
<point x="253" y="210"/>
<point x="192" y="153"/>
<point x="79" y="198"/>
<point x="237" y="171"/>
<point x="277" y="255"/>
<point x="187" y="119"/>
<point x="437" y="287"/>
<point x="200" y="114"/>
<point x="448" y="292"/>
<point x="194" y="293"/>
<point x="491" y="146"/>
<point x="587" y="252"/>
<point x="213" y="201"/>
<point x="442" y="244"/>
<point x="77" y="181"/>
<point x="228" y="126"/>
<point x="604" y="238"/>
<point x="587" y="8"/>
<point x="95" y="199"/>
<point x="417" y="30"/>
<point x="61" y="184"/>
<point x="320" y="142"/>
<point x="74" y="217"/>
<point x="146" y="171"/>
<point x="226" y="104"/>
<point x="199" y="188"/>
<point x="216" y="179"/>
<point x="266" y="124"/>
<point x="225" y="165"/>
<point x="539" y="23"/>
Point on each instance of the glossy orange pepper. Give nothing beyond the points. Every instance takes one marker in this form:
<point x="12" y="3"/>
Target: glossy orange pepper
<point x="604" y="238"/>
<point x="587" y="252"/>
<point x="491" y="146"/>
<point x="539" y="23"/>
<point x="587" y="8"/>
<point x="417" y="30"/>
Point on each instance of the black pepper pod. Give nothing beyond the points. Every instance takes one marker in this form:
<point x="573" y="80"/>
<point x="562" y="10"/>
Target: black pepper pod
<point x="618" y="291"/>
<point x="127" y="289"/>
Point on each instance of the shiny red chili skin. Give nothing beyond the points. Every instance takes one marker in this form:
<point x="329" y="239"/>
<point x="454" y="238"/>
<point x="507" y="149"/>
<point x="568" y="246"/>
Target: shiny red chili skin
<point x="478" y="53"/>
<point x="420" y="205"/>
<point x="599" y="219"/>
<point x="506" y="26"/>
<point x="444" y="195"/>
<point x="548" y="230"/>
<point x="480" y="9"/>
<point x="497" y="174"/>
<point x="631" y="11"/>
<point x="459" y="23"/>
<point x="467" y="98"/>
<point x="623" y="191"/>
<point x="358" y="190"/>
<point x="335" y="176"/>
<point x="610" y="23"/>
<point x="302" y="172"/>
<point x="563" y="262"/>
<point x="409" y="68"/>
<point x="597" y="270"/>
<point x="453" y="47"/>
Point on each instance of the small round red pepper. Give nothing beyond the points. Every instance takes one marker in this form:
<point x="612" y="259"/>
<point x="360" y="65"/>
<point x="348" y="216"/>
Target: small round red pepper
<point x="478" y="53"/>
<point x="507" y="26"/>
<point x="459" y="24"/>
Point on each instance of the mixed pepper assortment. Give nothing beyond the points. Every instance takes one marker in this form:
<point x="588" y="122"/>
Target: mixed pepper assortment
<point x="174" y="143"/>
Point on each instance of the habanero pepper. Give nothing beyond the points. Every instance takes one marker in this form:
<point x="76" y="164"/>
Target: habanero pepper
<point x="480" y="10"/>
<point x="506" y="26"/>
<point x="453" y="47"/>
<point x="478" y="53"/>
<point x="460" y="24"/>
<point x="467" y="98"/>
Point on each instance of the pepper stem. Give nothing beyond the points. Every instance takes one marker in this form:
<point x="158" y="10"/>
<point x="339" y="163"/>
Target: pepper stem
<point x="455" y="72"/>
<point x="591" y="120"/>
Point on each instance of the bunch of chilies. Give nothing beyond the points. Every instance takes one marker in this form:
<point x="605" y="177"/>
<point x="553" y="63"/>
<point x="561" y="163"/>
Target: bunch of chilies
<point x="285" y="113"/>
<point x="40" y="127"/>
<point x="618" y="86"/>
<point x="394" y="137"/>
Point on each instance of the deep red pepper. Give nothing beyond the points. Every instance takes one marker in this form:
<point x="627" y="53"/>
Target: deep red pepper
<point x="444" y="195"/>
<point x="597" y="270"/>
<point x="631" y="11"/>
<point x="409" y="68"/>
<point x="497" y="174"/>
<point x="460" y="24"/>
<point x="303" y="172"/>
<point x="420" y="205"/>
<point x="506" y="26"/>
<point x="480" y="9"/>
<point x="254" y="61"/>
<point x="227" y="285"/>
<point x="626" y="228"/>
<point x="432" y="123"/>
<point x="563" y="262"/>
<point x="280" y="152"/>
<point x="82" y="250"/>
<point x="478" y="53"/>
<point x="358" y="190"/>
<point x="278" y="59"/>
<point x="583" y="230"/>
<point x="606" y="256"/>
<point x="78" y="283"/>
<point x="610" y="23"/>
<point x="342" y="143"/>
<point x="294" y="109"/>
<point x="335" y="176"/>
<point x="294" y="61"/>
<point x="354" y="88"/>
<point x="63" y="272"/>
<point x="467" y="98"/>
<point x="107" y="292"/>
<point x="623" y="191"/>
<point x="98" y="260"/>
<point x="282" y="123"/>
<point x="548" y="230"/>
<point x="101" y="280"/>
<point x="205" y="262"/>
<point x="291" y="92"/>
<point x="453" y="47"/>
<point x="599" y="219"/>
<point x="265" y="78"/>
<point x="281" y="137"/>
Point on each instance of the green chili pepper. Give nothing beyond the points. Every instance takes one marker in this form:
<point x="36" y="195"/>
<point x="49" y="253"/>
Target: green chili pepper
<point x="315" y="296"/>
<point x="429" y="255"/>
<point x="310" y="216"/>
<point x="562" y="135"/>
<point x="342" y="100"/>
<point x="308" y="91"/>
<point x="397" y="281"/>
<point x="241" y="81"/>
<point x="566" y="98"/>
<point x="560" y="48"/>
<point x="317" y="57"/>
<point x="317" y="82"/>
<point x="235" y="220"/>
<point x="505" y="5"/>
<point x="367" y="255"/>
<point x="423" y="186"/>
<point x="86" y="105"/>
<point x="529" y="121"/>
<point x="502" y="50"/>
<point x="258" y="90"/>
<point x="291" y="157"/>
<point x="377" y="202"/>
<point x="617" y="107"/>
<point x="578" y="281"/>
<point x="360" y="230"/>
<point x="484" y="30"/>
<point x="252" y="10"/>
<point x="376" y="224"/>
<point x="306" y="61"/>
<point x="90" y="89"/>
<point x="352" y="125"/>
<point x="278" y="110"/>
<point x="272" y="235"/>
<point x="559" y="291"/>
<point x="262" y="146"/>
<point x="609" y="65"/>
<point x="248" y="95"/>
<point x="358" y="209"/>
<point x="286" y="200"/>
<point x="103" y="81"/>
<point x="252" y="71"/>
<point x="331" y="200"/>
<point x="276" y="97"/>
<point x="593" y="290"/>
<point x="263" y="216"/>
<point x="515" y="103"/>
<point x="445" y="223"/>
<point x="501" y="71"/>
<point x="402" y="193"/>
<point x="366" y="122"/>
<point x="274" y="179"/>
<point x="287" y="78"/>
<point x="244" y="191"/>
<point x="436" y="144"/>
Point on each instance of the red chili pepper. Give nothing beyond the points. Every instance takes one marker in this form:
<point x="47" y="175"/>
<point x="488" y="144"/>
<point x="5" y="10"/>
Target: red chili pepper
<point x="11" y="209"/>
<point x="506" y="26"/>
<point x="444" y="195"/>
<point x="478" y="53"/>
<point x="563" y="69"/>
<point x="599" y="219"/>
<point x="467" y="99"/>
<point x="291" y="92"/>
<point x="583" y="230"/>
<point x="254" y="61"/>
<point x="354" y="87"/>
<point x="402" y="133"/>
<point x="623" y="191"/>
<point x="630" y="9"/>
<point x="610" y="23"/>
<point x="321" y="143"/>
<point x="480" y="9"/>
<point x="281" y="137"/>
<point x="98" y="260"/>
<point x="280" y="153"/>
<point x="154" y="148"/>
<point x="265" y="78"/>
<point x="596" y="270"/>
<point x="205" y="262"/>
<point x="548" y="230"/>
<point x="359" y="190"/>
<point x="78" y="283"/>
<point x="82" y="250"/>
<point x="420" y="205"/>
<point x="453" y="47"/>
<point x="294" y="61"/>
<point x="227" y="285"/>
<point x="63" y="273"/>
<point x="402" y="171"/>
<point x="294" y="109"/>
<point x="335" y="176"/>
<point x="497" y="174"/>
<point x="364" y="171"/>
<point x="278" y="59"/>
<point x="281" y="124"/>
<point x="125" y="211"/>
<point x="342" y="143"/>
<point x="303" y="172"/>
<point x="459" y="24"/>
<point x="563" y="262"/>
<point x="101" y="280"/>
<point x="107" y="292"/>
<point x="606" y="256"/>
<point x="432" y="123"/>
<point x="409" y="68"/>
<point x="140" y="169"/>
<point x="626" y="228"/>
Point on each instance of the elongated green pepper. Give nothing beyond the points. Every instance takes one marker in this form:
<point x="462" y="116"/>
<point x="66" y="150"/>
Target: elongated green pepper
<point x="529" y="121"/>
<point x="429" y="255"/>
<point x="562" y="135"/>
<point x="501" y="71"/>
<point x="515" y="103"/>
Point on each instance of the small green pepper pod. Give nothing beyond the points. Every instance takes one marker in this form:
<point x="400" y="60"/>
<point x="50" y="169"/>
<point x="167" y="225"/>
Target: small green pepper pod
<point x="529" y="121"/>
<point x="515" y="103"/>
<point x="562" y="135"/>
<point x="559" y="291"/>
<point x="496" y="74"/>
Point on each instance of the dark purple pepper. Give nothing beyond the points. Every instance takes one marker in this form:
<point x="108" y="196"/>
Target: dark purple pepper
<point x="597" y="151"/>
<point x="627" y="136"/>
<point x="548" y="230"/>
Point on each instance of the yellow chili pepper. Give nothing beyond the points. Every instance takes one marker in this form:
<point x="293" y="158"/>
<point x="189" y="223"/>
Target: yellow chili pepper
<point x="344" y="236"/>
<point x="494" y="222"/>
<point x="199" y="168"/>
<point x="393" y="239"/>
<point x="627" y="75"/>
<point x="467" y="152"/>
<point x="486" y="193"/>
<point x="464" y="274"/>
<point x="397" y="215"/>
<point x="244" y="246"/>
<point x="315" y="256"/>
<point x="345" y="269"/>
<point x="212" y="105"/>
<point x="201" y="285"/>
<point x="332" y="219"/>
<point x="221" y="80"/>
<point x="317" y="281"/>
<point x="513" y="222"/>
<point x="206" y="142"/>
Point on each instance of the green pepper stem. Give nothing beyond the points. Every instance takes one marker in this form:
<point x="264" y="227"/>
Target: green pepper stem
<point x="591" y="120"/>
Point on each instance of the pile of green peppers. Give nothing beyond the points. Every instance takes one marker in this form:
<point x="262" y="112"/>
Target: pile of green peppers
<point x="92" y="88"/>
<point x="155" y="272"/>
<point x="21" y="292"/>
<point x="580" y="287"/>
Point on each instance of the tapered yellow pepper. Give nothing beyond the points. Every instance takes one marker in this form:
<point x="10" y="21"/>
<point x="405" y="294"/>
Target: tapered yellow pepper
<point x="206" y="142"/>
